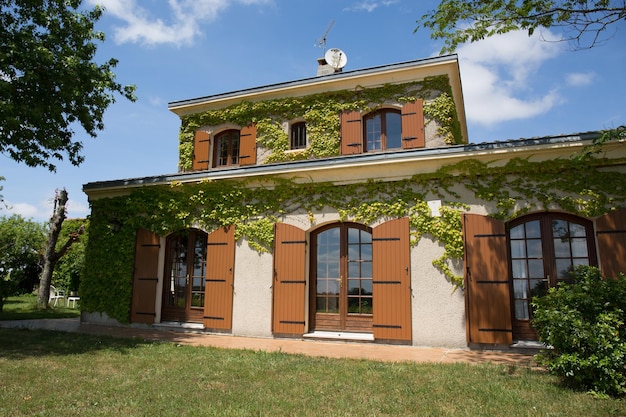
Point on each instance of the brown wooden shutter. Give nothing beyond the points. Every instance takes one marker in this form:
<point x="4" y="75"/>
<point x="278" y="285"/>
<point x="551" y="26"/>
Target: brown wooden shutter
<point x="413" y="125"/>
<point x="219" y="280"/>
<point x="392" y="281"/>
<point x="487" y="293"/>
<point x="145" y="277"/>
<point x="247" y="143"/>
<point x="289" y="280"/>
<point x="201" y="151"/>
<point x="611" y="233"/>
<point x="351" y="142"/>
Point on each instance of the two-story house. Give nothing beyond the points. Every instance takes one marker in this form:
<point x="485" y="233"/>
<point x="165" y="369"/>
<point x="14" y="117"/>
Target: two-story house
<point x="350" y="205"/>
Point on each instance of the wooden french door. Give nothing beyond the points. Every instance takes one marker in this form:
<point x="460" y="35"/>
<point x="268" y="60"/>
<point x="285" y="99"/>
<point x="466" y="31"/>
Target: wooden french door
<point x="184" y="283"/>
<point x="341" y="278"/>
<point x="544" y="249"/>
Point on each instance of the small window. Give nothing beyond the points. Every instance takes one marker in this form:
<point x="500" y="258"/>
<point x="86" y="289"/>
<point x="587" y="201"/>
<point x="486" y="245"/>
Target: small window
<point x="227" y="148"/>
<point x="383" y="130"/>
<point x="298" y="136"/>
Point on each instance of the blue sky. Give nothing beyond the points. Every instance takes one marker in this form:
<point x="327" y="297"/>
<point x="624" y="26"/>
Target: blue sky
<point x="514" y="86"/>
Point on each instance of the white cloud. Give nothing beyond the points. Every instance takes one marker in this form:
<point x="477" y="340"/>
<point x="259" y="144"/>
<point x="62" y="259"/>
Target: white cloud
<point x="182" y="27"/>
<point x="579" y="79"/>
<point x="498" y="77"/>
<point x="370" y="5"/>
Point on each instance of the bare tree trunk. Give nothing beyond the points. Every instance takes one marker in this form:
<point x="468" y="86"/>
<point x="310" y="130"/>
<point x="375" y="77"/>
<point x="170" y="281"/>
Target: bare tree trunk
<point x="52" y="256"/>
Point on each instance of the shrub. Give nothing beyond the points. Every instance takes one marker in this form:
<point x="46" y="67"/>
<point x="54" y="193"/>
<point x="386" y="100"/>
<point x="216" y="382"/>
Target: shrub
<point x="583" y="323"/>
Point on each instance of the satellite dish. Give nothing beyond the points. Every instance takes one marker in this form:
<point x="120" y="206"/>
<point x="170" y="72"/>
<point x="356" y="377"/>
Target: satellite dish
<point x="336" y="58"/>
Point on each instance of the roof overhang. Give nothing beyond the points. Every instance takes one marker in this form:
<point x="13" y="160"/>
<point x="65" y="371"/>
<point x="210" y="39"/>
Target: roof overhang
<point x="379" y="166"/>
<point x="357" y="79"/>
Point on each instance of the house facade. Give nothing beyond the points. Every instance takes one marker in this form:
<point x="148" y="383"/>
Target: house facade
<point x="351" y="206"/>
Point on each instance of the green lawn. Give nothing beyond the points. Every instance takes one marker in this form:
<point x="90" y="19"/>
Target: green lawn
<point x="53" y="373"/>
<point x="25" y="307"/>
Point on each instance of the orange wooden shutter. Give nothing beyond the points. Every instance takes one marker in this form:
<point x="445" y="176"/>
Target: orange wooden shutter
<point x="145" y="277"/>
<point x="351" y="142"/>
<point x="247" y="143"/>
<point x="391" y="272"/>
<point x="488" y="299"/>
<point x="219" y="281"/>
<point x="413" y="125"/>
<point x="611" y="233"/>
<point x="201" y="151"/>
<point x="289" y="280"/>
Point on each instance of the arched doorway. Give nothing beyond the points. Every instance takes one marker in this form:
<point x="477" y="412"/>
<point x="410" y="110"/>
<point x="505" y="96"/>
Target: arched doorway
<point x="544" y="247"/>
<point x="184" y="280"/>
<point x="341" y="293"/>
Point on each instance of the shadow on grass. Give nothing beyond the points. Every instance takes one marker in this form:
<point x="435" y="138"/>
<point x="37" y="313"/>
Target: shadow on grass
<point x="18" y="344"/>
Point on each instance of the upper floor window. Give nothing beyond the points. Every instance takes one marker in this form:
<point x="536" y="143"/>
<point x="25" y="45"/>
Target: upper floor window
<point x="383" y="130"/>
<point x="298" y="136"/>
<point x="227" y="148"/>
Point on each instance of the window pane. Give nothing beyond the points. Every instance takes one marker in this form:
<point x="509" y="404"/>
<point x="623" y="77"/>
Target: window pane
<point x="366" y="286"/>
<point x="354" y="287"/>
<point x="393" y="130"/>
<point x="520" y="288"/>
<point x="559" y="228"/>
<point x="354" y="270"/>
<point x="373" y="132"/>
<point x="564" y="268"/>
<point x="577" y="230"/>
<point x="518" y="249"/>
<point x="333" y="286"/>
<point x="579" y="248"/>
<point x="367" y="305"/>
<point x="537" y="287"/>
<point x="535" y="268"/>
<point x="519" y="269"/>
<point x="366" y="270"/>
<point x="521" y="310"/>
<point x="353" y="235"/>
<point x="333" y="305"/>
<point x="533" y="229"/>
<point x="366" y="251"/>
<point x="517" y="232"/>
<point x="534" y="248"/>
<point x="298" y="136"/>
<point x="561" y="248"/>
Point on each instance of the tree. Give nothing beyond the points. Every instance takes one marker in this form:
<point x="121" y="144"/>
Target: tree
<point x="68" y="271"/>
<point x="49" y="82"/>
<point x="52" y="254"/>
<point x="21" y="247"/>
<point x="584" y="21"/>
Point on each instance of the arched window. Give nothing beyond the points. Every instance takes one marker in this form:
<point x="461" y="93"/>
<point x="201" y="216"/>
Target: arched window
<point x="226" y="150"/>
<point x="341" y="284"/>
<point x="544" y="248"/>
<point x="298" y="136"/>
<point x="383" y="130"/>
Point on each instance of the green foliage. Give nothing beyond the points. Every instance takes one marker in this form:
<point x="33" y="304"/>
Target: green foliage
<point x="49" y="81"/>
<point x="21" y="247"/>
<point x="69" y="268"/>
<point x="321" y="113"/>
<point x="460" y="21"/>
<point x="584" y="324"/>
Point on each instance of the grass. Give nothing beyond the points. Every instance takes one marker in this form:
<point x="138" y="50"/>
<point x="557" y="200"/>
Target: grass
<point x="24" y="307"/>
<point x="47" y="373"/>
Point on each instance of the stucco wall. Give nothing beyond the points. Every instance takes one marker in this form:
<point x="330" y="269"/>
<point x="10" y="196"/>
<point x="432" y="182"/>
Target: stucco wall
<point x="252" y="299"/>
<point x="438" y="311"/>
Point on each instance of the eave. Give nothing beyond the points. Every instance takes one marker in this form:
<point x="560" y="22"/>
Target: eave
<point x="378" y="166"/>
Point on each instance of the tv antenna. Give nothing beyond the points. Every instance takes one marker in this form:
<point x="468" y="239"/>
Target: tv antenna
<point x="322" y="41"/>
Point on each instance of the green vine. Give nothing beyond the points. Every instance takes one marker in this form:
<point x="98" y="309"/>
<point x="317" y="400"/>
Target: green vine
<point x="586" y="188"/>
<point x="321" y="113"/>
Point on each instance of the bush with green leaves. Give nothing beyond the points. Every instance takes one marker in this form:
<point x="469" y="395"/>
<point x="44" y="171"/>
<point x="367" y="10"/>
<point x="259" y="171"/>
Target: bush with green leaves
<point x="583" y="324"/>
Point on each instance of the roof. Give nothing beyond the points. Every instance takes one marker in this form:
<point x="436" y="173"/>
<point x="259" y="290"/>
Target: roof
<point x="348" y="168"/>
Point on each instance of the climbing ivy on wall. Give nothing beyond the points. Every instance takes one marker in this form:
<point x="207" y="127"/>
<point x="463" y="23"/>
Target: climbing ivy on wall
<point x="579" y="187"/>
<point x="321" y="113"/>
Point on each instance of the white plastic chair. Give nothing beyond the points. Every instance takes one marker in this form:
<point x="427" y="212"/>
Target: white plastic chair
<point x="56" y="295"/>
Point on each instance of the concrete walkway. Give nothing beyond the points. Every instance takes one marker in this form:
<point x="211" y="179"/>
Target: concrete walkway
<point x="334" y="349"/>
